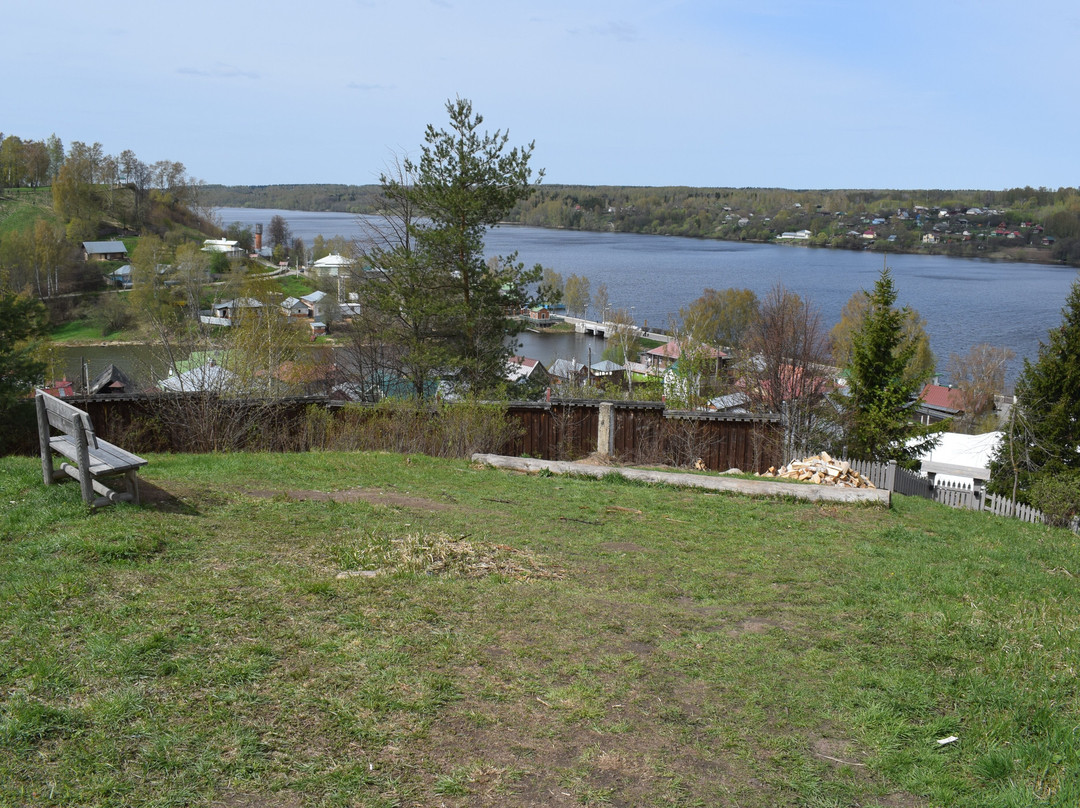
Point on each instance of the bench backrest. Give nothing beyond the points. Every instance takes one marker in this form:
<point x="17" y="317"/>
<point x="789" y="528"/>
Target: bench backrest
<point x="68" y="419"/>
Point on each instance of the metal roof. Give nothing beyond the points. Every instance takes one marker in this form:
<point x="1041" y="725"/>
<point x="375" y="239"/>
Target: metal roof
<point x="96" y="247"/>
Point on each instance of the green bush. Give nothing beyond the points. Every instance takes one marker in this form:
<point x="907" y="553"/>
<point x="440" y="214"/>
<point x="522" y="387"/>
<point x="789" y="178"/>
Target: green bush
<point x="1057" y="496"/>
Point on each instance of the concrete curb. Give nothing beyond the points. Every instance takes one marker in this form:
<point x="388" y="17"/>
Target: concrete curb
<point x="753" y="488"/>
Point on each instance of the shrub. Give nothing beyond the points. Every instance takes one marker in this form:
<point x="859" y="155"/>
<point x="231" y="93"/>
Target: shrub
<point x="455" y="429"/>
<point x="1058" y="497"/>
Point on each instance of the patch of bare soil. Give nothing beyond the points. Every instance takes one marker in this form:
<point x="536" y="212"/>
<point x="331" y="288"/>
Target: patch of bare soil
<point x="754" y="625"/>
<point x="355" y="495"/>
<point x="528" y="755"/>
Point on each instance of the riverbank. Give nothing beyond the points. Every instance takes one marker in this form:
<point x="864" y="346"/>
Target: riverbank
<point x="1016" y="255"/>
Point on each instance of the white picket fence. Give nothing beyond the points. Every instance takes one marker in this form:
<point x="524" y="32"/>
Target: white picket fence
<point x="955" y="495"/>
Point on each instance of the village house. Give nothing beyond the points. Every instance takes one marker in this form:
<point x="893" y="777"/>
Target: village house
<point x="520" y="369"/>
<point x="231" y="309"/>
<point x="318" y="305"/>
<point x="664" y="356"/>
<point x="313" y="306"/>
<point x="104" y="251"/>
<point x="606" y="371"/>
<point x="294" y="307"/>
<point x="111" y="382"/>
<point x="222" y="245"/>
<point x="332" y="266"/>
<point x="937" y="402"/>
<point x="207" y="377"/>
<point x="121" y="277"/>
<point x="568" y="371"/>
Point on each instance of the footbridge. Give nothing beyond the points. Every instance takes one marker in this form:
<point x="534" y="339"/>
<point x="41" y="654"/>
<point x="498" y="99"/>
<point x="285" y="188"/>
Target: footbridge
<point x="603" y="329"/>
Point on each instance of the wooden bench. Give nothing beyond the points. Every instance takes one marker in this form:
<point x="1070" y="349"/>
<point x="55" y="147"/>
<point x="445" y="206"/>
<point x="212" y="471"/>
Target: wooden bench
<point x="96" y="459"/>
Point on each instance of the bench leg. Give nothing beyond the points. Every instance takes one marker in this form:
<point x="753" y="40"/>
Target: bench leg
<point x="86" y="483"/>
<point x="133" y="484"/>
<point x="43" y="439"/>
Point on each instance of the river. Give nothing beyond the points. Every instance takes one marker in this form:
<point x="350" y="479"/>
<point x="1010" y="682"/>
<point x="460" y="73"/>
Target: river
<point x="963" y="301"/>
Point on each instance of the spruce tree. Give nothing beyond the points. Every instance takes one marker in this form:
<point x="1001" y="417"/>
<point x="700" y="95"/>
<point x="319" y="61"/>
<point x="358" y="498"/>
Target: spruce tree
<point x="1042" y="435"/>
<point x="882" y="390"/>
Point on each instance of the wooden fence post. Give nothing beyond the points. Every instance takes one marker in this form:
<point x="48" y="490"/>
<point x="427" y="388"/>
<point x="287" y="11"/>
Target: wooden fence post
<point x="978" y="492"/>
<point x="605" y="430"/>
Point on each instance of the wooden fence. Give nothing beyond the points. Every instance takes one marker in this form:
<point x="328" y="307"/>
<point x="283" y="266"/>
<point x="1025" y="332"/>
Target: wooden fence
<point x="970" y="496"/>
<point x="646" y="432"/>
<point x="643" y="432"/>
<point x="894" y="478"/>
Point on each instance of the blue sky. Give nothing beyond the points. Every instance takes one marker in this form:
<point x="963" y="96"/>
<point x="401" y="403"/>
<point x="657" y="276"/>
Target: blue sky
<point x="764" y="93"/>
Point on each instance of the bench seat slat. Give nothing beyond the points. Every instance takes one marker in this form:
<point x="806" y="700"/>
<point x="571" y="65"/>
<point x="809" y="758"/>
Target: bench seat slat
<point x="104" y="459"/>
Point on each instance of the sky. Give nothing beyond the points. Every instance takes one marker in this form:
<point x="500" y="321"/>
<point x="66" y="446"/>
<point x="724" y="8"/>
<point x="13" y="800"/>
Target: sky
<point x="954" y="94"/>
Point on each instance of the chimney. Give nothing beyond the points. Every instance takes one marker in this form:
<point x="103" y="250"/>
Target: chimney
<point x="258" y="237"/>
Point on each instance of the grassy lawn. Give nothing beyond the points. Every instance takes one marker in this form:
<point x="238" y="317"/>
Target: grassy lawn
<point x="527" y="641"/>
<point x="86" y="331"/>
<point x="20" y="208"/>
<point x="294" y="286"/>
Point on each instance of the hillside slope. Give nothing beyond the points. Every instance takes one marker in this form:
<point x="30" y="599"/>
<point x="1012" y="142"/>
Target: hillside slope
<point x="374" y="629"/>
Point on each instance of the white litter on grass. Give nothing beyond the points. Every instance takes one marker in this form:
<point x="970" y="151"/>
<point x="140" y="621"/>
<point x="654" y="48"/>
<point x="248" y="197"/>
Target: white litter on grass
<point x="950" y="739"/>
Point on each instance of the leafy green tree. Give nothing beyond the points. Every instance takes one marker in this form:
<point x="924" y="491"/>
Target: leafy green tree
<point x="622" y="338"/>
<point x="154" y="301"/>
<point x="551" y="286"/>
<point x="22" y="321"/>
<point x="721" y="318"/>
<point x="242" y="235"/>
<point x="881" y="394"/>
<point x="407" y="323"/>
<point x="576" y="294"/>
<point x="12" y="162"/>
<point x="1042" y="438"/>
<point x="318" y="248"/>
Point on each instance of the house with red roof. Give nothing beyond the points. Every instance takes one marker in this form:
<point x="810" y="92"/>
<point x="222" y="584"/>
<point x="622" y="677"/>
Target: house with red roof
<point x="937" y="402"/>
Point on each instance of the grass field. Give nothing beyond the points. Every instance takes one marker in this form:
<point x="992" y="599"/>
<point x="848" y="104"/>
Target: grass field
<point x="522" y="641"/>
<point x="20" y="208"/>
<point x="294" y="286"/>
<point x="85" y="330"/>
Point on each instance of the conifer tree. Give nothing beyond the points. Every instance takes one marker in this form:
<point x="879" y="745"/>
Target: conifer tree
<point x="882" y="390"/>
<point x="1042" y="435"/>
<point x="445" y="304"/>
<point x="22" y="321"/>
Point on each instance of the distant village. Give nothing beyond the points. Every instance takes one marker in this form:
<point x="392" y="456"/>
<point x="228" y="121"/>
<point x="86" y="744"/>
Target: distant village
<point x="716" y="383"/>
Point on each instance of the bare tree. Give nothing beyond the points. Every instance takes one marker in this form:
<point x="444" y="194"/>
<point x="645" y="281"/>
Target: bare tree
<point x="787" y="372"/>
<point x="979" y="375"/>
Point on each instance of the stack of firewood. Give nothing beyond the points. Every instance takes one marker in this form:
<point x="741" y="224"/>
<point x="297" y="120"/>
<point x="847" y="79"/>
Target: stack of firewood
<point x="822" y="470"/>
